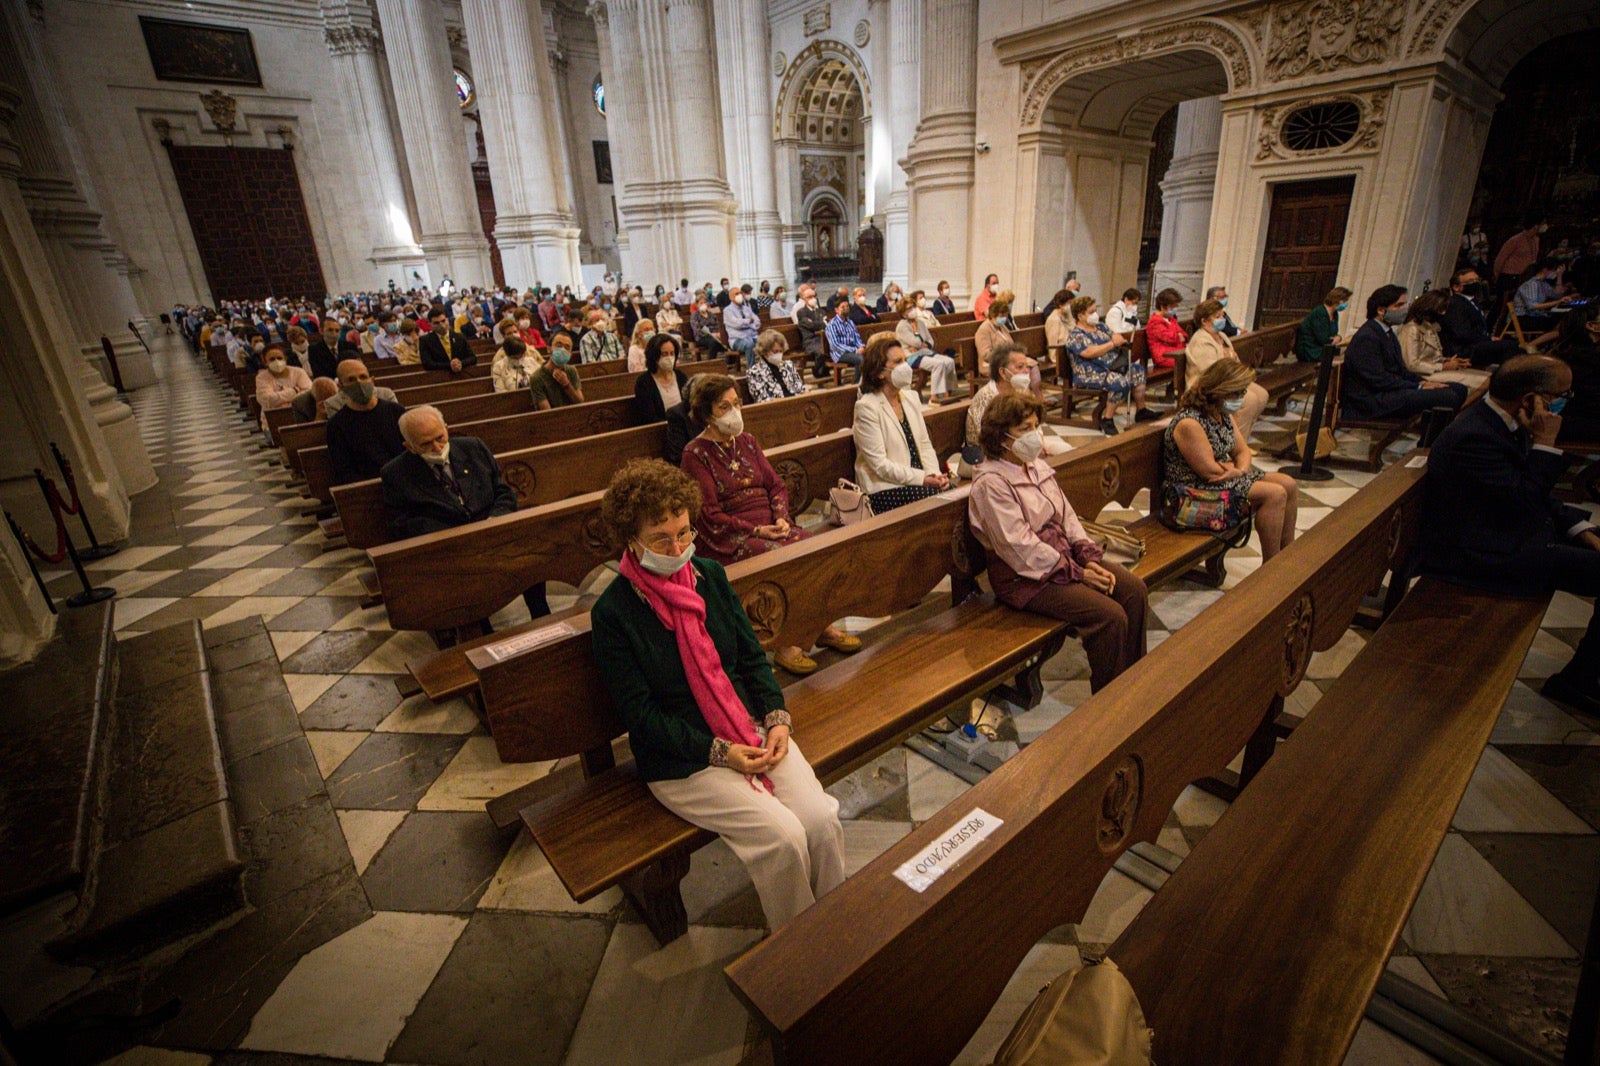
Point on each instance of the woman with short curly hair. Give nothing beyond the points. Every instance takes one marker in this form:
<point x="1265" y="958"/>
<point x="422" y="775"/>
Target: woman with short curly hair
<point x="705" y="716"/>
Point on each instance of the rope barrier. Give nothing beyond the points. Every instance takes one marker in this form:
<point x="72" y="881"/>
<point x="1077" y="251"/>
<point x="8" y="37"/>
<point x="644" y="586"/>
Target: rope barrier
<point x="61" y="533"/>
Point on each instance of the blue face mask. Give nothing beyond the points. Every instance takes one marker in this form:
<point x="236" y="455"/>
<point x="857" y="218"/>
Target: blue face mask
<point x="561" y="357"/>
<point x="1343" y="307"/>
<point x="1234" y="405"/>
<point x="1557" y="404"/>
<point x="1223" y="301"/>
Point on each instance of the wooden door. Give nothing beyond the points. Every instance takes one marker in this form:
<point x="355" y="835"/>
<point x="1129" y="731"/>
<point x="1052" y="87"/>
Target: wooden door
<point x="1305" y="236"/>
<point x="249" y="221"/>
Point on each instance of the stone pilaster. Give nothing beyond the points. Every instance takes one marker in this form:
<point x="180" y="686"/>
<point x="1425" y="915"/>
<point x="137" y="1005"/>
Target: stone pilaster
<point x="905" y="59"/>
<point x="939" y="164"/>
<point x="675" y="202"/>
<point x="435" y="151"/>
<point x="534" y="226"/>
<point x="70" y="227"/>
<point x="744" y="61"/>
<point x="356" y="46"/>
<point x="1186" y="194"/>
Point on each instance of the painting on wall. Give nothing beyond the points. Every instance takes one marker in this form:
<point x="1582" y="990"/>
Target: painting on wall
<point x="602" y="162"/>
<point x="195" y="51"/>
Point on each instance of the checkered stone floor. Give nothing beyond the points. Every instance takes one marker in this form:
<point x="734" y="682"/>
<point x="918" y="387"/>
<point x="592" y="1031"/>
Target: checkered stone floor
<point x="475" y="954"/>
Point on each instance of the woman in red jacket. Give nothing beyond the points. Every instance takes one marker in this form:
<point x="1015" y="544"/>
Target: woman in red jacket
<point x="1163" y="333"/>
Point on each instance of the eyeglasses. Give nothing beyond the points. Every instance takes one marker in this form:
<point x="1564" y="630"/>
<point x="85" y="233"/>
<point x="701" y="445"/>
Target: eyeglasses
<point x="666" y="542"/>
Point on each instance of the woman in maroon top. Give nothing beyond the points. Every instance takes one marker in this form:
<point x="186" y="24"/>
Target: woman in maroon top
<point x="744" y="507"/>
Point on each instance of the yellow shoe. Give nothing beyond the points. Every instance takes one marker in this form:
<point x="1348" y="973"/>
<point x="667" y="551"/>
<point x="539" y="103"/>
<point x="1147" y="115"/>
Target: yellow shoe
<point x="839" y="641"/>
<point x="796" y="663"/>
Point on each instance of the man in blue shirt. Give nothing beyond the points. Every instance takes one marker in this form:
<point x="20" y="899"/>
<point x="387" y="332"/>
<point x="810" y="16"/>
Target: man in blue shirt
<point x="1537" y="297"/>
<point x="844" y="343"/>
<point x="742" y="324"/>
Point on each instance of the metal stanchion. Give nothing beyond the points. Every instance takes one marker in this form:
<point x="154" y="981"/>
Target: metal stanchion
<point x="33" y="567"/>
<point x="1308" y="470"/>
<point x="96" y="550"/>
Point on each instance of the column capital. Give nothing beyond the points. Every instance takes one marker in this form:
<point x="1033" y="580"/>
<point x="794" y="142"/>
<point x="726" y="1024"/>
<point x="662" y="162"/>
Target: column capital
<point x="597" y="11"/>
<point x="349" y="38"/>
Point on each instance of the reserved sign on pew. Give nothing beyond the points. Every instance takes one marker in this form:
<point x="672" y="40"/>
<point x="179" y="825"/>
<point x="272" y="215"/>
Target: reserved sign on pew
<point x="950" y="849"/>
<point x="533" y="638"/>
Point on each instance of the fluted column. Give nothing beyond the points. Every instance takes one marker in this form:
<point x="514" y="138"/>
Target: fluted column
<point x="675" y="200"/>
<point x="534" y="227"/>
<point x="577" y="194"/>
<point x="435" y="151"/>
<point x="1186" y="195"/>
<point x="55" y="187"/>
<point x="905" y="62"/>
<point x="939" y="164"/>
<point x="355" y="44"/>
<point x="744" y="58"/>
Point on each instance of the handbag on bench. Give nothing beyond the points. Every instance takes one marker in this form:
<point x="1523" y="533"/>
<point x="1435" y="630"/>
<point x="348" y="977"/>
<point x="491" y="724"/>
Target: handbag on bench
<point x="1120" y="546"/>
<point x="847" y="504"/>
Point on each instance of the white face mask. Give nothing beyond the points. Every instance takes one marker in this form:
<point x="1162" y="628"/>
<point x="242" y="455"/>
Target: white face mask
<point x="1029" y="446"/>
<point x="730" y="424"/>
<point x="922" y="303"/>
<point x="439" y="458"/>
<point x="1094" y="318"/>
<point x="995" y="288"/>
<point x="1020" y="382"/>
<point x="663" y="565"/>
<point x="276" y="365"/>
<point x="666" y="363"/>
<point x="900" y="376"/>
<point x="775" y="358"/>
<point x="300" y="348"/>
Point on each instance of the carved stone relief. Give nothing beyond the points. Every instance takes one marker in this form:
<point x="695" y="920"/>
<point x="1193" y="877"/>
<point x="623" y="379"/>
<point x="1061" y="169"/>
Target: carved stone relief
<point x="779" y="63"/>
<point x="818" y="20"/>
<point x="863" y="33"/>
<point x="1319" y="36"/>
<point x="223" y="109"/>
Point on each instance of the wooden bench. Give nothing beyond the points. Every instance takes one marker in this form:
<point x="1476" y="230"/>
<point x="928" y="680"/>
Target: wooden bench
<point x="1298" y="895"/>
<point x="610" y="830"/>
<point x="549" y="473"/>
<point x="317" y="467"/>
<point x="1265" y="350"/>
<point x="1070" y="804"/>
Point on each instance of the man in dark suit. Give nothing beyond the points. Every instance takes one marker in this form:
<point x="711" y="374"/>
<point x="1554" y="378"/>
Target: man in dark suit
<point x="1489" y="519"/>
<point x="444" y="348"/>
<point x="438" y="483"/>
<point x="812" y="322"/>
<point x="1465" y="332"/>
<point x="329" y="350"/>
<point x="1376" y="383"/>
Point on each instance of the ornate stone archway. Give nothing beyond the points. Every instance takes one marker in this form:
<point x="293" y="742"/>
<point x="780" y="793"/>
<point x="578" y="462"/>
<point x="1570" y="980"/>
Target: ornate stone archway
<point x="785" y="119"/>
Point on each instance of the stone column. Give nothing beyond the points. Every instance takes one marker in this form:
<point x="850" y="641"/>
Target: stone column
<point x="435" y="151"/>
<point x="355" y="43"/>
<point x="577" y="195"/>
<point x="939" y="163"/>
<point x="1186" y="194"/>
<point x="621" y="129"/>
<point x="905" y="56"/>
<point x="744" y="61"/>
<point x="43" y="397"/>
<point x="675" y="202"/>
<point x="516" y="97"/>
<point x="90" y="270"/>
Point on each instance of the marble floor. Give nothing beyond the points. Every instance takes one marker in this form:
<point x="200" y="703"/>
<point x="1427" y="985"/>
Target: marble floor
<point x="473" y="952"/>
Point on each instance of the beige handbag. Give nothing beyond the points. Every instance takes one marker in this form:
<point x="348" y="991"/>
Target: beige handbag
<point x="1119" y="545"/>
<point x="847" y="504"/>
<point x="1087" y="1017"/>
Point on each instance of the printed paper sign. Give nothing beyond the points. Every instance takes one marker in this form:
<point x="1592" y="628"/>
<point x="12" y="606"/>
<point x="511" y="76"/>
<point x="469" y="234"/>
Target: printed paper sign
<point x="522" y="642"/>
<point x="944" y="853"/>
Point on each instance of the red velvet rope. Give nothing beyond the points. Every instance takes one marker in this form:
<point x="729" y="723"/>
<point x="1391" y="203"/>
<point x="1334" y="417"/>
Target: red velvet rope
<point x="72" y="487"/>
<point x="61" y="533"/>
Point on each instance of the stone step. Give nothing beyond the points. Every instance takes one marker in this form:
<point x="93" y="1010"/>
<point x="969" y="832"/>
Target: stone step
<point x="56" y="714"/>
<point x="168" y="865"/>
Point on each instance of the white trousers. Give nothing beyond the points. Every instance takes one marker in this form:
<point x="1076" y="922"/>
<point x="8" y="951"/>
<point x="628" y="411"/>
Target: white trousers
<point x="789" y="840"/>
<point x="941" y="372"/>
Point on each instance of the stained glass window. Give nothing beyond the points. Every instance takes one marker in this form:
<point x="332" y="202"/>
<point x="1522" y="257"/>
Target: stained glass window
<point x="464" y="90"/>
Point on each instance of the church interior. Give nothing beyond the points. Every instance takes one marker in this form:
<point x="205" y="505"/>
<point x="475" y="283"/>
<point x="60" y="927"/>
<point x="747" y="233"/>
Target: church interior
<point x="799" y="531"/>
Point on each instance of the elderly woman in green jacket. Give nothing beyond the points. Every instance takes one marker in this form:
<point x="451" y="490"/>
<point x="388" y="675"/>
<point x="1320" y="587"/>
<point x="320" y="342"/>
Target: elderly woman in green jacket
<point x="705" y="716"/>
<point x="1320" y="327"/>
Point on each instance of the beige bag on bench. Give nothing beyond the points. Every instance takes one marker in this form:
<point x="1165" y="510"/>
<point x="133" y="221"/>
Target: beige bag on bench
<point x="1120" y="546"/>
<point x="847" y="504"/>
<point x="1087" y="1017"/>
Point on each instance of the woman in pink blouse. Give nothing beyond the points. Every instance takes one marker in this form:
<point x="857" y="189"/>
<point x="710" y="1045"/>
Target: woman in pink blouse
<point x="278" y="383"/>
<point x="1040" y="557"/>
<point x="744" y="509"/>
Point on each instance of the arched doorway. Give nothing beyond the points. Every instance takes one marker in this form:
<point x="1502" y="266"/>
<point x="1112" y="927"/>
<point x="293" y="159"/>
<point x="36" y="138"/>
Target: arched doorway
<point x="1090" y="146"/>
<point x="822" y="130"/>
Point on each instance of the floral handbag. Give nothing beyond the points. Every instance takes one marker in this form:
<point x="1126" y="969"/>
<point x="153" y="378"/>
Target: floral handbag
<point x="1208" y="510"/>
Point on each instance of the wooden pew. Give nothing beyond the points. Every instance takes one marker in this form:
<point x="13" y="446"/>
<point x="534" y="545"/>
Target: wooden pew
<point x="1264" y="349"/>
<point x="610" y="830"/>
<point x="317" y="468"/>
<point x="1069" y="804"/>
<point x="552" y="472"/>
<point x="1298" y="895"/>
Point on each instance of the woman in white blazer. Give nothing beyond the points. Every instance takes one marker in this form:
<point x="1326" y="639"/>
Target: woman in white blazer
<point x="895" y="460"/>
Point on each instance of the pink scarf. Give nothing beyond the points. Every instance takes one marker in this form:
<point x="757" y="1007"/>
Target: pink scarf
<point x="680" y="608"/>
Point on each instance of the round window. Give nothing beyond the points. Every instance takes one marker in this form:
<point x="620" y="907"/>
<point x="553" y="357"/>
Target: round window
<point x="1321" y="126"/>
<point x="464" y="91"/>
